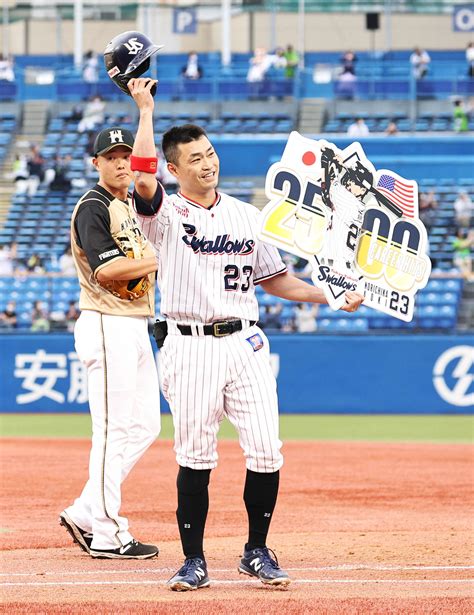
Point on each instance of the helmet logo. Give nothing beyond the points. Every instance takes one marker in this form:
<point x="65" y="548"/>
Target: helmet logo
<point x="116" y="136"/>
<point x="133" y="46"/>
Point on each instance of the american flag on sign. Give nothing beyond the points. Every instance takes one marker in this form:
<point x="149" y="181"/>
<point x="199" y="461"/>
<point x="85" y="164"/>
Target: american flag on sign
<point x="402" y="193"/>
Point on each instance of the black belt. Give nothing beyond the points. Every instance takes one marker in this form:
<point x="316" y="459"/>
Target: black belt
<point x="217" y="329"/>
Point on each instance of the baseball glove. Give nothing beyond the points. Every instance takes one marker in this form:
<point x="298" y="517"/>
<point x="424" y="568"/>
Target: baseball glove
<point x="129" y="290"/>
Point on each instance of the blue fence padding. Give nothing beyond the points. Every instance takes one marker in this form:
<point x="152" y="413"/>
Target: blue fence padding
<point x="338" y="374"/>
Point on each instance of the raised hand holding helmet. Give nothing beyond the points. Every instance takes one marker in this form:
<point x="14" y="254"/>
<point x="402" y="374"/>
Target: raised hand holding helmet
<point x="127" y="56"/>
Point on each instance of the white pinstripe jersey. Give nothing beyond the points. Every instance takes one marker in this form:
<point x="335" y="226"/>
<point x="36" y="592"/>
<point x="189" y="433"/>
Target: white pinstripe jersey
<point x="209" y="259"/>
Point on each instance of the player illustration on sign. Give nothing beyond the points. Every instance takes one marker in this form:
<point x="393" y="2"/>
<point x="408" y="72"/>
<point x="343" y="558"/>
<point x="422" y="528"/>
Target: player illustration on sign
<point x="343" y="191"/>
<point x="357" y="226"/>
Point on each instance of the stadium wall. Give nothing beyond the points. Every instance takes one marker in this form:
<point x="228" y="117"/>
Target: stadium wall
<point x="412" y="157"/>
<point x="323" y="31"/>
<point x="316" y="374"/>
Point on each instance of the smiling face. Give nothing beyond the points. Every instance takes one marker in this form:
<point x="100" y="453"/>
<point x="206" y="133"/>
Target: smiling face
<point x="197" y="170"/>
<point x="115" y="174"/>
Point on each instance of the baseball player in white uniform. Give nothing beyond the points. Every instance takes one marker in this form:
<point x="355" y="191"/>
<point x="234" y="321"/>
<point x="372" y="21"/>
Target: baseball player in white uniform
<point x="112" y="340"/>
<point x="215" y="359"/>
<point x="344" y="189"/>
<point x="345" y="225"/>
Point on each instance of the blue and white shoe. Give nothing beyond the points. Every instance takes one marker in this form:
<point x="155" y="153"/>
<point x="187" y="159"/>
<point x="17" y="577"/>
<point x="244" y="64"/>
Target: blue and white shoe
<point x="259" y="563"/>
<point x="192" y="575"/>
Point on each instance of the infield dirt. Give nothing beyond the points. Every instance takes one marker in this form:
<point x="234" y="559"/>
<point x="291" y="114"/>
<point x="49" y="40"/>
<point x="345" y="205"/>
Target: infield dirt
<point x="361" y="527"/>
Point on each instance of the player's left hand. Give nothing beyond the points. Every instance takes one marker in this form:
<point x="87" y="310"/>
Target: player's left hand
<point x="140" y="89"/>
<point x="353" y="301"/>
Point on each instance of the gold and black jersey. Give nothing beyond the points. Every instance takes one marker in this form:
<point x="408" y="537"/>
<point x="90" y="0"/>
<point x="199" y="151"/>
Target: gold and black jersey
<point x="104" y="228"/>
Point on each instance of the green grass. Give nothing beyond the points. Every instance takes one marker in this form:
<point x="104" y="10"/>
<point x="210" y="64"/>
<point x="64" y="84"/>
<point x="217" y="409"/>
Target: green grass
<point x="399" y="428"/>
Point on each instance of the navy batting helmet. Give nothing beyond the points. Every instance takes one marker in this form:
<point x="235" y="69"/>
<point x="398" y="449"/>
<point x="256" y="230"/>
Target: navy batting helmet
<point x="127" y="56"/>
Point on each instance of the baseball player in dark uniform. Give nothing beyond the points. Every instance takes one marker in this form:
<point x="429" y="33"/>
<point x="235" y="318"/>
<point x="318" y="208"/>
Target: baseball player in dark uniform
<point x="116" y="268"/>
<point x="215" y="360"/>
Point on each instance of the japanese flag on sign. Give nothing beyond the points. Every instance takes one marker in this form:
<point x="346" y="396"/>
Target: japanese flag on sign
<point x="307" y="162"/>
<point x="358" y="227"/>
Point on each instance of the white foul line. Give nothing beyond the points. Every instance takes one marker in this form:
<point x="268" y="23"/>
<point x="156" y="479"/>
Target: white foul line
<point x="342" y="567"/>
<point x="228" y="582"/>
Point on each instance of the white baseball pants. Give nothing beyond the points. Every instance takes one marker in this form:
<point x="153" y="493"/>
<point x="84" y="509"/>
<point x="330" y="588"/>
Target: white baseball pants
<point x="205" y="378"/>
<point x="125" y="410"/>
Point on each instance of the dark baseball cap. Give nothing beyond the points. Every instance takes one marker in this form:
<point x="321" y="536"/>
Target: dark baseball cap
<point x="109" y="138"/>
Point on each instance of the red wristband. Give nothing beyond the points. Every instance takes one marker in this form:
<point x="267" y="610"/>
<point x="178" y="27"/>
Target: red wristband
<point x="147" y="165"/>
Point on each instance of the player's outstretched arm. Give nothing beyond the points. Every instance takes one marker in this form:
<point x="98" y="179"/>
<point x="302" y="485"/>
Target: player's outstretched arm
<point x="144" y="161"/>
<point x="289" y="287"/>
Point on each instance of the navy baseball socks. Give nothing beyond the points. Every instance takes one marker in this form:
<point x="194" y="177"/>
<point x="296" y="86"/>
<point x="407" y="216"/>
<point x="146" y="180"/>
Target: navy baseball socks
<point x="193" y="504"/>
<point x="260" y="496"/>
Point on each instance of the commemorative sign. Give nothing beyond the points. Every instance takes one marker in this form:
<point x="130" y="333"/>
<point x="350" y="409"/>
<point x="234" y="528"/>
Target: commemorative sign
<point x="357" y="226"/>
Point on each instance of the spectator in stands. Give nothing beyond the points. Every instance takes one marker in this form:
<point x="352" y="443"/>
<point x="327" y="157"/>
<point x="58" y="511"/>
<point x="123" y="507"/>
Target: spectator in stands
<point x="36" y="170"/>
<point x="260" y="62"/>
<point x="39" y="317"/>
<point x="76" y="113"/>
<point x="392" y="129"/>
<point x="20" y="174"/>
<point x="464" y="209"/>
<point x="460" y="117"/>
<point x="192" y="69"/>
<point x="8" y="318"/>
<point x="305" y="317"/>
<point x="292" y="61"/>
<point x="72" y="315"/>
<point x="427" y="205"/>
<point x="93" y="114"/>
<point x="463" y="244"/>
<point x="348" y="61"/>
<point x="90" y="70"/>
<point x="7" y="259"/>
<point x="6" y="68"/>
<point x="358" y="128"/>
<point x="419" y="61"/>
<point x="279" y="61"/>
<point x="470" y="59"/>
<point x="346" y="85"/>
<point x="272" y="317"/>
<point x="60" y="181"/>
<point x="34" y="264"/>
<point x="66" y="263"/>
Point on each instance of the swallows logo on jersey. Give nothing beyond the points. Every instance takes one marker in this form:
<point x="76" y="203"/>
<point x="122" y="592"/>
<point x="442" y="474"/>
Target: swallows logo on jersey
<point x="222" y="244"/>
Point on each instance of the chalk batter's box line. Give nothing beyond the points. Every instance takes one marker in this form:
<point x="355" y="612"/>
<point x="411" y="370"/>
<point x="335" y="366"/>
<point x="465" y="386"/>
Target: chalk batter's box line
<point x="236" y="582"/>
<point x="342" y="567"/>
